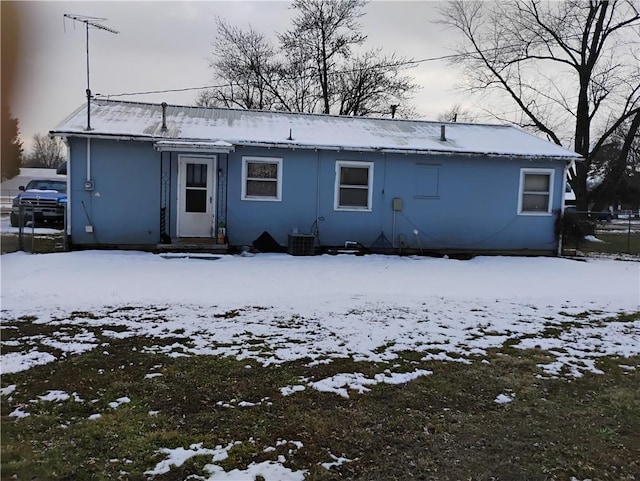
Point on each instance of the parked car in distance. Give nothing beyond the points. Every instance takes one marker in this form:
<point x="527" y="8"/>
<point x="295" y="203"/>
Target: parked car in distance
<point x="605" y="216"/>
<point x="41" y="200"/>
<point x="569" y="196"/>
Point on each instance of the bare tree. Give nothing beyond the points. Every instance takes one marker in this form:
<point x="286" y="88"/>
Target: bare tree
<point x="371" y="84"/>
<point x="46" y="152"/>
<point x="313" y="69"/>
<point x="326" y="33"/>
<point x="298" y="83"/>
<point x="615" y="163"/>
<point x="208" y="98"/>
<point x="569" y="68"/>
<point x="457" y="114"/>
<point x="244" y="67"/>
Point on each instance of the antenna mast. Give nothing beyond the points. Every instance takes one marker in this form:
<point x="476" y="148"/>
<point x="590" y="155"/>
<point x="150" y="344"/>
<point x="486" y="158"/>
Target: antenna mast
<point x="89" y="22"/>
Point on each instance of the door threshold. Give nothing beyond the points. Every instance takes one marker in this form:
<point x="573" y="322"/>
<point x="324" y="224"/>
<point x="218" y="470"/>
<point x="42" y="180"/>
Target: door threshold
<point x="193" y="240"/>
<point x="193" y="244"/>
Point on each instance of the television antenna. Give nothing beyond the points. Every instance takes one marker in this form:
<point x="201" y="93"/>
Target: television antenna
<point x="94" y="23"/>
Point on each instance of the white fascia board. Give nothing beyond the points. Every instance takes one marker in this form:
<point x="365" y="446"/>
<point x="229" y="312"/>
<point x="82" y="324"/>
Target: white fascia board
<point x="405" y="151"/>
<point x="89" y="135"/>
<point x="218" y="147"/>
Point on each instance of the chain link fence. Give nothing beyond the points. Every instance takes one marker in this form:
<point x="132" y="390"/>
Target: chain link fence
<point x="602" y="233"/>
<point x="584" y="234"/>
<point x="31" y="236"/>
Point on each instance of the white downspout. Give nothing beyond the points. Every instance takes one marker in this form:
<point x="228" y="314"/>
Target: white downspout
<point x="67" y="144"/>
<point x="564" y="193"/>
<point x="88" y="160"/>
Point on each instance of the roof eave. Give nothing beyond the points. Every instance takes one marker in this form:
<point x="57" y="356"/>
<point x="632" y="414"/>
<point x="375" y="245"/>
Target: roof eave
<point x="291" y="145"/>
<point x="395" y="150"/>
<point x="101" y="135"/>
<point x="217" y="147"/>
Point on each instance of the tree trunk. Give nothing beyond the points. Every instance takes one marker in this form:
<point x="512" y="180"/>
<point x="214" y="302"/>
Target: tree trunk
<point x="581" y="145"/>
<point x="606" y="193"/>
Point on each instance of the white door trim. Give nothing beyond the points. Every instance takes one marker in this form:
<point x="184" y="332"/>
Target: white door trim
<point x="196" y="224"/>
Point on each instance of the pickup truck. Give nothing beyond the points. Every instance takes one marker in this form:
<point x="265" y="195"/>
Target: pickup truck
<point x="42" y="200"/>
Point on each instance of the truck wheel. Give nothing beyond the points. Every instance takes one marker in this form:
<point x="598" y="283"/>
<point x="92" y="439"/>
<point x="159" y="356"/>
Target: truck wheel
<point x="15" y="220"/>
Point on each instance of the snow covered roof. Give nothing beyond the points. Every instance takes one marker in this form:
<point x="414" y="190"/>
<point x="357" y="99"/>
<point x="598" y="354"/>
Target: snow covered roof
<point x="144" y="121"/>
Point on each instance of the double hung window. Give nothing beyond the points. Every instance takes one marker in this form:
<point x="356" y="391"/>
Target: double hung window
<point x="354" y="182"/>
<point x="261" y="178"/>
<point x="536" y="191"/>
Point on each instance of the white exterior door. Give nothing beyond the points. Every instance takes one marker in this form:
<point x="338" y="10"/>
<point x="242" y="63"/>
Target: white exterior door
<point x="196" y="194"/>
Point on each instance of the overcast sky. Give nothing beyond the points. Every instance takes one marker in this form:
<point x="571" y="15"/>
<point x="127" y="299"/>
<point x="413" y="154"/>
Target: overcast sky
<point x="166" y="45"/>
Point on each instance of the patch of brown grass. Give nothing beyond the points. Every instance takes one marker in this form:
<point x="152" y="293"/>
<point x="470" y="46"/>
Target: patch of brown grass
<point x="445" y="426"/>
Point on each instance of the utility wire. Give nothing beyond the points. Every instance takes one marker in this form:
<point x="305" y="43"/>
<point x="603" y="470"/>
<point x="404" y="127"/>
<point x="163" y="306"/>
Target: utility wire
<point x="187" y="89"/>
<point x="149" y="92"/>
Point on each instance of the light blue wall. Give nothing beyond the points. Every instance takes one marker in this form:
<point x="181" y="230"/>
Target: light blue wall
<point x="475" y="207"/>
<point x="123" y="207"/>
<point x="247" y="219"/>
<point x="455" y="202"/>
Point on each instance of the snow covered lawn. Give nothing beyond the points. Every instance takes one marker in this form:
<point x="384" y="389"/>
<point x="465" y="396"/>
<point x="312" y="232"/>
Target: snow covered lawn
<point x="274" y="310"/>
<point x="318" y="308"/>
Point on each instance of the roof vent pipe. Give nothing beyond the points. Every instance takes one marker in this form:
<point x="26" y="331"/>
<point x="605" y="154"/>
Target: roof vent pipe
<point x="164" y="116"/>
<point x="443" y="137"/>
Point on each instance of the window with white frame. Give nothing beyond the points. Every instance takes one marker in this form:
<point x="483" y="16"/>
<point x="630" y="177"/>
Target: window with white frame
<point x="261" y="178"/>
<point x="536" y="191"/>
<point x="354" y="183"/>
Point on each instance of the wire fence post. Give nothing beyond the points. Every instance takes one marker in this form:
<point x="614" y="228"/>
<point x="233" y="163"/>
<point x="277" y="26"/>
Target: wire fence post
<point x="629" y="234"/>
<point x="20" y="227"/>
<point x="33" y="232"/>
<point x="64" y="226"/>
<point x="23" y="220"/>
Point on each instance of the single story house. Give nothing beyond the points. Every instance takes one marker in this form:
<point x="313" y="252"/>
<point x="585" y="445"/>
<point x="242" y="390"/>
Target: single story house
<point x="146" y="175"/>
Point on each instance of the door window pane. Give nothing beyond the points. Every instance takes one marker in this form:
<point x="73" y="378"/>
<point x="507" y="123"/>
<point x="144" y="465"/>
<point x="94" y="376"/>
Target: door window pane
<point x="196" y="200"/>
<point x="196" y="175"/>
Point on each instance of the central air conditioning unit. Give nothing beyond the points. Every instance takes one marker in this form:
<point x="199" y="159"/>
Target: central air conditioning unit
<point x="301" y="245"/>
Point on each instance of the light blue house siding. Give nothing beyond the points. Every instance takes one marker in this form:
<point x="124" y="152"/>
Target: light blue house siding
<point x="467" y="203"/>
<point x="455" y="202"/>
<point x="122" y="207"/>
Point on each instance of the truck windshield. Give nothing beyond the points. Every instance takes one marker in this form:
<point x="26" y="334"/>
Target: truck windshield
<point x="57" y="185"/>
